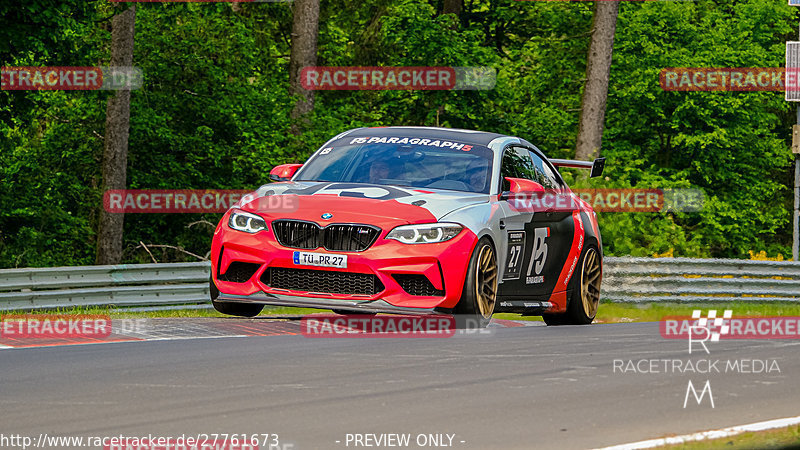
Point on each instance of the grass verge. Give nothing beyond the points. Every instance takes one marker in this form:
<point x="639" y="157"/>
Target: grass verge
<point x="119" y="313"/>
<point x="653" y="312"/>
<point x="784" y="439"/>
<point x="607" y="313"/>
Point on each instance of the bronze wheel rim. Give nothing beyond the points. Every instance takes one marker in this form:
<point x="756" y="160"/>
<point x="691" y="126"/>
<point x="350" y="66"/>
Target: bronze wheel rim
<point x="590" y="282"/>
<point x="486" y="281"/>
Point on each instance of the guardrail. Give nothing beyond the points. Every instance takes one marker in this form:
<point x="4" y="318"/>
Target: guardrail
<point x="624" y="280"/>
<point x="690" y="280"/>
<point x="118" y="285"/>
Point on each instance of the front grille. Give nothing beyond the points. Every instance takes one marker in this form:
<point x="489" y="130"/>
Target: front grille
<point x="335" y="237"/>
<point x="308" y="280"/>
<point x="297" y="234"/>
<point x="239" y="272"/>
<point x="349" y="238"/>
<point x="416" y="284"/>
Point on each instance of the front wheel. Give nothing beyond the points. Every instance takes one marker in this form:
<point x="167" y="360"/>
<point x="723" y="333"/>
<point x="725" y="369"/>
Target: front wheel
<point x="582" y="306"/>
<point x="479" y="296"/>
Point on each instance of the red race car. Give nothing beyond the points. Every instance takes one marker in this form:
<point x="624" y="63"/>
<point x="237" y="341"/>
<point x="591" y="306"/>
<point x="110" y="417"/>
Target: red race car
<point x="414" y="220"/>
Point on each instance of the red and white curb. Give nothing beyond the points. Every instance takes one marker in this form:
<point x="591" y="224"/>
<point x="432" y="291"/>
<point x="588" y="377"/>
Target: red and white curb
<point x="173" y="329"/>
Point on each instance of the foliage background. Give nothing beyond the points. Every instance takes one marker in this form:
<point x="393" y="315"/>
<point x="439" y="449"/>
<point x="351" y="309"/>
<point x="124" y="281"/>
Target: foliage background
<point x="214" y="111"/>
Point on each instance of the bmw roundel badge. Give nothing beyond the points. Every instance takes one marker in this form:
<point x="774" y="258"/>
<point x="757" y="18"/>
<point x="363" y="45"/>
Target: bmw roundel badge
<point x="327" y="216"/>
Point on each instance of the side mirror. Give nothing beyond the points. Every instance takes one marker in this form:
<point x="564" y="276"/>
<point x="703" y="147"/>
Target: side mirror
<point x="284" y="172"/>
<point x="521" y="185"/>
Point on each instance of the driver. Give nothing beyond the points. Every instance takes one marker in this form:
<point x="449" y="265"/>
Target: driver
<point x="379" y="170"/>
<point x="477" y="172"/>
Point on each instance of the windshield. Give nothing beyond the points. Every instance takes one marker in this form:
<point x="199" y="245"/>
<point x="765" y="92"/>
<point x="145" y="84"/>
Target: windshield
<point x="413" y="162"/>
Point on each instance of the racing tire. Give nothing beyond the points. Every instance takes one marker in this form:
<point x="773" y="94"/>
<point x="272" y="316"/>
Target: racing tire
<point x="232" y="308"/>
<point x="479" y="295"/>
<point x="585" y="298"/>
<point x="553" y="319"/>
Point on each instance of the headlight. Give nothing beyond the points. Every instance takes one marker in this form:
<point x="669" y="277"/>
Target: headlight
<point x="247" y="222"/>
<point x="425" y="233"/>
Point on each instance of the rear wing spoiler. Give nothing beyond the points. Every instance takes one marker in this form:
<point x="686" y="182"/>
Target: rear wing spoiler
<point x="596" y="166"/>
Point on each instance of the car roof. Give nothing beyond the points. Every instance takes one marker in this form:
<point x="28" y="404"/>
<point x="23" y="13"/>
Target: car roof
<point x="465" y="136"/>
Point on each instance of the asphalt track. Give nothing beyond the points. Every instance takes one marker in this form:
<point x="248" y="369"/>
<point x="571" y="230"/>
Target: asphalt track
<point x="508" y="387"/>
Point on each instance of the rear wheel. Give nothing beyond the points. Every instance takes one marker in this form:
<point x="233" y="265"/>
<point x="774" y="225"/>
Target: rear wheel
<point x="585" y="298"/>
<point x="479" y="296"/>
<point x="232" y="308"/>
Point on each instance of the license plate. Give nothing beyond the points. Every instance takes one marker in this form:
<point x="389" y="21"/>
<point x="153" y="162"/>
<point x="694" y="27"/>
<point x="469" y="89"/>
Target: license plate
<point x="320" y="259"/>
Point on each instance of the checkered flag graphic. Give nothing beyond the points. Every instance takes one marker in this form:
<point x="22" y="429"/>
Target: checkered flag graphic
<point x="715" y="325"/>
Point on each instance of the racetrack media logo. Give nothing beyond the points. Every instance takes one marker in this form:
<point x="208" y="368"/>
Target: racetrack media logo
<point x="360" y="325"/>
<point x="314" y="78"/>
<point x="702" y="333"/>
<point x="712" y="327"/>
<point x="70" y="78"/>
<point x="194" y="201"/>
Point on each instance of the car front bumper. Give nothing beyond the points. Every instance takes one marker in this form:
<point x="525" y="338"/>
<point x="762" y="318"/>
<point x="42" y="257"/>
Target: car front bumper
<point x="443" y="264"/>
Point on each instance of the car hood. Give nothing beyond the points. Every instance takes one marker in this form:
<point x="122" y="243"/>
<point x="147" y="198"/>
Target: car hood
<point x="356" y="202"/>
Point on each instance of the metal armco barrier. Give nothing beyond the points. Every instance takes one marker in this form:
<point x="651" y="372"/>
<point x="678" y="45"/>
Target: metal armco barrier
<point x="624" y="280"/>
<point x="690" y="279"/>
<point x="119" y="285"/>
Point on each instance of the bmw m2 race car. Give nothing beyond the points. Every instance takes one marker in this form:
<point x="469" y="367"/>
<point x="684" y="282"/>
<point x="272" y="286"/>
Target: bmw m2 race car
<point x="414" y="220"/>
